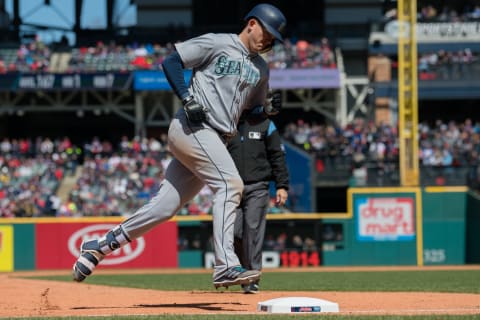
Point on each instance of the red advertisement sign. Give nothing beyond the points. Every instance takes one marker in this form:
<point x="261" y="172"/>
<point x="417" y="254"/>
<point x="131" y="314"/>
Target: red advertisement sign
<point x="58" y="246"/>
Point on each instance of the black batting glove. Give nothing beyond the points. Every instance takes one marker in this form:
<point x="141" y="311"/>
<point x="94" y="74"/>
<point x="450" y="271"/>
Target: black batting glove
<point x="274" y="103"/>
<point x="196" y="113"/>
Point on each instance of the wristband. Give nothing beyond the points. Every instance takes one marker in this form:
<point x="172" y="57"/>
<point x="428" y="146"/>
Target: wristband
<point x="187" y="100"/>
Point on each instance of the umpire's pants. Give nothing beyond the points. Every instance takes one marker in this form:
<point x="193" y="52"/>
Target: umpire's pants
<point x="250" y="223"/>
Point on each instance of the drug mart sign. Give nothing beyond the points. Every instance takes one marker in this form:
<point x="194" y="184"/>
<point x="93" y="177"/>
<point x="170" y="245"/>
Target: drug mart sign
<point x="385" y="219"/>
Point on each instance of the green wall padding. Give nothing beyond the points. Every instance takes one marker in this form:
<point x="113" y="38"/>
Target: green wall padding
<point x="24" y="248"/>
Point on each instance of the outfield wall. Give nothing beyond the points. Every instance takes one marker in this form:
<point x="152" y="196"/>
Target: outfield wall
<point x="401" y="226"/>
<point x="52" y="243"/>
<point x="383" y="226"/>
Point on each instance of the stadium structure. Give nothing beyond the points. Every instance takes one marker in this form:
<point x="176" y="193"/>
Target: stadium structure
<point x="403" y="71"/>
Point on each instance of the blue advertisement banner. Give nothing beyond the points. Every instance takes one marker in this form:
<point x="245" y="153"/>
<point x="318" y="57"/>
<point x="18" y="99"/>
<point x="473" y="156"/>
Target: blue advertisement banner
<point x="279" y="79"/>
<point x="65" y="81"/>
<point x="154" y="80"/>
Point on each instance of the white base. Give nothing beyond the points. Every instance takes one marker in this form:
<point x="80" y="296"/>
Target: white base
<point x="297" y="304"/>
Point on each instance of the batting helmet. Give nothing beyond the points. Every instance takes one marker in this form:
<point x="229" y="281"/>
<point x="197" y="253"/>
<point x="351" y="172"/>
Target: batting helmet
<point x="270" y="17"/>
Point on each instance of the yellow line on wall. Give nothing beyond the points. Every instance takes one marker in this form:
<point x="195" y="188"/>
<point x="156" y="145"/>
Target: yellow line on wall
<point x="191" y="218"/>
<point x="419" y="222"/>
<point x="383" y="190"/>
<point x="440" y="189"/>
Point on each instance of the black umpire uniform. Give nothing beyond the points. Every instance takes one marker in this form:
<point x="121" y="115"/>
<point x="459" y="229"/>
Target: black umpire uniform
<point x="260" y="158"/>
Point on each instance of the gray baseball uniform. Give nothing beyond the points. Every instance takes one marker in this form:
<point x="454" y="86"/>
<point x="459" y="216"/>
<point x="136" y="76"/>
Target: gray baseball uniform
<point x="226" y="79"/>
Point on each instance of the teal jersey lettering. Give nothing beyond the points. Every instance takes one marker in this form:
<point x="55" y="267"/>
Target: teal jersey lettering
<point x="226" y="77"/>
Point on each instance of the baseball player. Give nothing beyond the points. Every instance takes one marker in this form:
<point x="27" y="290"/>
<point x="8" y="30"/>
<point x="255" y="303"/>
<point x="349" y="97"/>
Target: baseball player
<point x="259" y="156"/>
<point x="228" y="76"/>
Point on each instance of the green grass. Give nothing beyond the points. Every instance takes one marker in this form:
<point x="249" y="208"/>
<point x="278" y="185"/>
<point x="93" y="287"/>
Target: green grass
<point x="467" y="281"/>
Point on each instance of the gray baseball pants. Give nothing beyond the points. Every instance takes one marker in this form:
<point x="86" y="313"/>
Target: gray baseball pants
<point x="200" y="157"/>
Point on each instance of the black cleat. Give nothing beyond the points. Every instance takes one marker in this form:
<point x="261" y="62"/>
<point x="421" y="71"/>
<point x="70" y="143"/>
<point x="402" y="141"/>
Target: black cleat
<point x="237" y="276"/>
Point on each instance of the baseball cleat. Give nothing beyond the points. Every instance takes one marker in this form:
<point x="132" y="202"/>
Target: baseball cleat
<point x="237" y="276"/>
<point x="218" y="286"/>
<point x="89" y="258"/>
<point x="250" y="288"/>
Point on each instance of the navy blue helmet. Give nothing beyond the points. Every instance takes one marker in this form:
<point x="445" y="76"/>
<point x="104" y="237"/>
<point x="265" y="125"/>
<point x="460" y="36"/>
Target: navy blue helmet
<point x="271" y="19"/>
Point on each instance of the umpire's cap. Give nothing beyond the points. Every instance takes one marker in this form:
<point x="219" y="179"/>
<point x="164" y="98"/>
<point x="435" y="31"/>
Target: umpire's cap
<point x="271" y="18"/>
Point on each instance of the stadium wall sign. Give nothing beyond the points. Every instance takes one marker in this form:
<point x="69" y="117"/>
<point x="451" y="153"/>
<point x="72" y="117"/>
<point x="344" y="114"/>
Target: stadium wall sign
<point x="125" y="254"/>
<point x="430" y="32"/>
<point x="311" y="78"/>
<point x="279" y="79"/>
<point x="56" y="81"/>
<point x="385" y="219"/>
<point x="154" y="80"/>
<point x="278" y="259"/>
<point x="65" y="238"/>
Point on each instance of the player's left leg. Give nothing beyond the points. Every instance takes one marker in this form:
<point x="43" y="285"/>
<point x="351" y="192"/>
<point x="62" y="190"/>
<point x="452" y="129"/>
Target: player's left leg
<point x="179" y="186"/>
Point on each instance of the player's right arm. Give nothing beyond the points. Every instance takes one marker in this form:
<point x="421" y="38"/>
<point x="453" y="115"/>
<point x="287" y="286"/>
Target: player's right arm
<point x="173" y="69"/>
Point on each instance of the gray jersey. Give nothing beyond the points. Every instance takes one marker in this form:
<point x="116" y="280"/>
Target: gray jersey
<point x="243" y="77"/>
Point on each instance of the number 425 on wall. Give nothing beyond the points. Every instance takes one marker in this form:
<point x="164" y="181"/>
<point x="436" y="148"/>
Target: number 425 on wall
<point x="434" y="255"/>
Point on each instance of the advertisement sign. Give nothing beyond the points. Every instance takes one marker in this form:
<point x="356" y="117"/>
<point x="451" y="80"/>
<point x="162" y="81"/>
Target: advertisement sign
<point x="274" y="259"/>
<point x="430" y="37"/>
<point x="287" y="243"/>
<point x="6" y="248"/>
<point x="154" y="80"/>
<point x="385" y="219"/>
<point x="279" y="79"/>
<point x="52" y="81"/>
<point x="315" y="78"/>
<point x="157" y="248"/>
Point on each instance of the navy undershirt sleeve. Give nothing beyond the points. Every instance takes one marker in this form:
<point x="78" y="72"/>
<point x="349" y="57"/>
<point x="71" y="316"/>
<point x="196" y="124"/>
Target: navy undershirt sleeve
<point x="173" y="68"/>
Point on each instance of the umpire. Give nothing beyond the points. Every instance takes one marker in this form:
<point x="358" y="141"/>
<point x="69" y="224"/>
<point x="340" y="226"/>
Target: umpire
<point x="260" y="158"/>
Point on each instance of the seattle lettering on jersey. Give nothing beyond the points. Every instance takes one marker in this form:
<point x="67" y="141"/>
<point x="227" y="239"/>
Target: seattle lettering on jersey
<point x="248" y="73"/>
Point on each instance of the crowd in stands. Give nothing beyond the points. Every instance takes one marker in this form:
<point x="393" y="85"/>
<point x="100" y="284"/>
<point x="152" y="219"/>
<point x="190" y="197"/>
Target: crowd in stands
<point x="115" y="184"/>
<point x="366" y="144"/>
<point x="30" y="174"/>
<point x="302" y="54"/>
<point x="445" y="62"/>
<point x="117" y="179"/>
<point x="38" y="57"/>
<point x="441" y="65"/>
<point x="108" y="180"/>
<point x="447" y="65"/>
<point x="428" y="12"/>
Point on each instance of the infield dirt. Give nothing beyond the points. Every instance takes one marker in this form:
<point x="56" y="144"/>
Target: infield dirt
<point x="35" y="298"/>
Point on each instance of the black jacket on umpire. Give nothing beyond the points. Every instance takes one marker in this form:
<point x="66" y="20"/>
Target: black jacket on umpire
<point x="258" y="151"/>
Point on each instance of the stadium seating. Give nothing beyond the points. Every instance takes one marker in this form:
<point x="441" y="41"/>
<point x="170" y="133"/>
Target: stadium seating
<point x="38" y="57"/>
